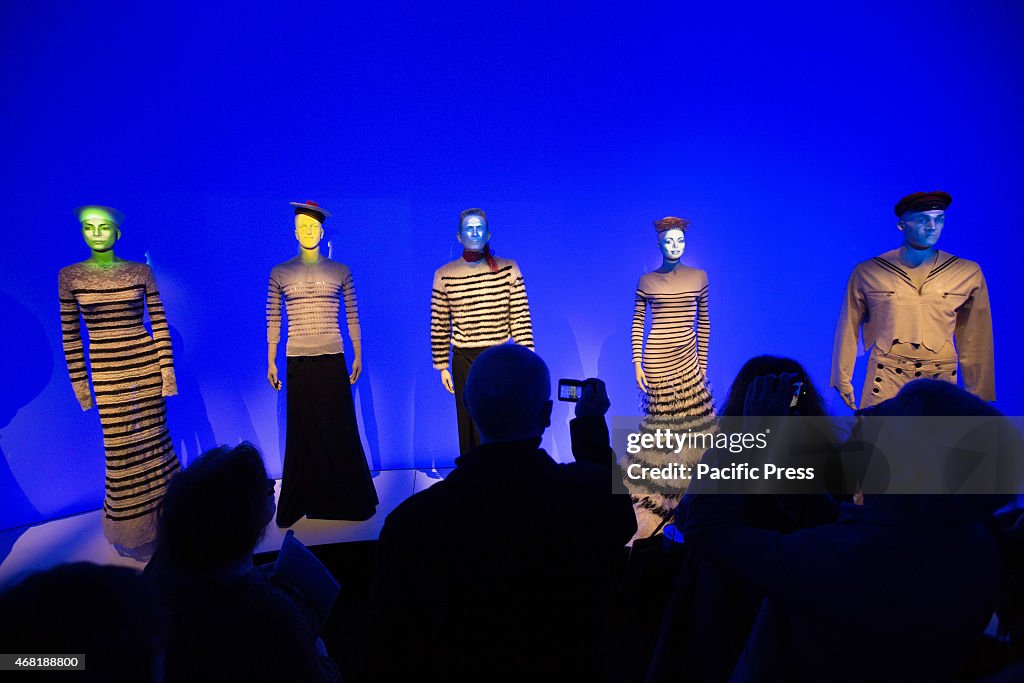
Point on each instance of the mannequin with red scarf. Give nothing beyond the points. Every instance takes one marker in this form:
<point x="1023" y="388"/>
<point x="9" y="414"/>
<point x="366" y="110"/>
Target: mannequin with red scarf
<point x="478" y="301"/>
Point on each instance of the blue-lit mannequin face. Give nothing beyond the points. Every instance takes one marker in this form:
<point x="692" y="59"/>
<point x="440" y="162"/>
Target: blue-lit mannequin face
<point x="672" y="244"/>
<point x="100" y="231"/>
<point x="473" y="233"/>
<point x="922" y="229"/>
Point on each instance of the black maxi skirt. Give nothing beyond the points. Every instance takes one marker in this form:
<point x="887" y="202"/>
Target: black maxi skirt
<point x="325" y="471"/>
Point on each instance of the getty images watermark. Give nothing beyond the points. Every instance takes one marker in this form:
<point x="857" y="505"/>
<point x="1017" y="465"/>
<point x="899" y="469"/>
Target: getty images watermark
<point x="798" y="455"/>
<point x="665" y="440"/>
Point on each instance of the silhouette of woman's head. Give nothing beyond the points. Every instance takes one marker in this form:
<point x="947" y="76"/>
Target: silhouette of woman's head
<point x="215" y="512"/>
<point x="810" y="402"/>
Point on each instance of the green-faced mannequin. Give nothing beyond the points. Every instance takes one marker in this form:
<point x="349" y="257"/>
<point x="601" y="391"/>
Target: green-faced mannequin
<point x="100" y="230"/>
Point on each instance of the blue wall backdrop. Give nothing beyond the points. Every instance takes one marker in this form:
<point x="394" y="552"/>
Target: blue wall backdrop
<point x="784" y="132"/>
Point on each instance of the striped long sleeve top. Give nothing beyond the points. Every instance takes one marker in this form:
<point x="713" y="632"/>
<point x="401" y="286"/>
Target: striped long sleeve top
<point x="680" y="322"/>
<point x="312" y="294"/>
<point x="111" y="301"/>
<point x="473" y="307"/>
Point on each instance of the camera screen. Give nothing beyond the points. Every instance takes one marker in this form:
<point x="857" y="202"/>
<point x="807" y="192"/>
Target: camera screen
<point x="570" y="392"/>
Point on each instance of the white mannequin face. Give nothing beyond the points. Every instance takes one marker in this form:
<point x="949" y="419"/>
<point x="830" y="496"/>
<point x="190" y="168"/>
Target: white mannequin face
<point x="922" y="229"/>
<point x="672" y="244"/>
<point x="473" y="233"/>
<point x="308" y="231"/>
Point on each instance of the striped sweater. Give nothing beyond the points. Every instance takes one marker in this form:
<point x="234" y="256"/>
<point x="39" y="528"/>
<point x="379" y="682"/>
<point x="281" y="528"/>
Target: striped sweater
<point x="680" y="326"/>
<point x="473" y="307"/>
<point x="111" y="301"/>
<point x="312" y="294"/>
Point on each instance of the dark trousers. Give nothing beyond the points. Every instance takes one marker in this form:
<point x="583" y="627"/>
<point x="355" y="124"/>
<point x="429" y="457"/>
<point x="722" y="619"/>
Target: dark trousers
<point x="462" y="359"/>
<point x="325" y="471"/>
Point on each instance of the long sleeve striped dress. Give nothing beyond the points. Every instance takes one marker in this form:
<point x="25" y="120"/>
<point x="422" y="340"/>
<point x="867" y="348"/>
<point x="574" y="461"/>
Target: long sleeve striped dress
<point x="675" y="357"/>
<point x="132" y="372"/>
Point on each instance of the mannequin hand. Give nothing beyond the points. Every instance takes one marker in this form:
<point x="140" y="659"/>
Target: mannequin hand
<point x="641" y="378"/>
<point x="848" y="397"/>
<point x="357" y="369"/>
<point x="594" y="400"/>
<point x="446" y="380"/>
<point x="272" y="377"/>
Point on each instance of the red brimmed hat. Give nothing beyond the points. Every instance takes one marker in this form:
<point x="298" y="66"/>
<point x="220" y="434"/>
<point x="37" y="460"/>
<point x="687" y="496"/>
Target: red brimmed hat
<point x="671" y="223"/>
<point x="309" y="206"/>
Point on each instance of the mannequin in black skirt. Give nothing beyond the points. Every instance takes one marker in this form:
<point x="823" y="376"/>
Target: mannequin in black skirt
<point x="325" y="471"/>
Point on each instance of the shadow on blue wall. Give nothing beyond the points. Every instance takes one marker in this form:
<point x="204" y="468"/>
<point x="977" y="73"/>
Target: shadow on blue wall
<point x="187" y="417"/>
<point x="26" y="364"/>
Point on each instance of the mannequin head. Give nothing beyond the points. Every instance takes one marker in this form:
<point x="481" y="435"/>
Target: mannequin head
<point x="671" y="237"/>
<point x="309" y="229"/>
<point x="922" y="216"/>
<point x="473" y="231"/>
<point x="672" y="244"/>
<point x="922" y="229"/>
<point x="100" y="227"/>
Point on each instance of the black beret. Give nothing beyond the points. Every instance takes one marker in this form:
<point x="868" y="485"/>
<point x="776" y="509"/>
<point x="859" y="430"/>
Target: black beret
<point x="923" y="201"/>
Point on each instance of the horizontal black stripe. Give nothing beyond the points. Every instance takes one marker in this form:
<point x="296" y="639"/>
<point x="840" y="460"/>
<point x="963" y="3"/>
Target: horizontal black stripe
<point x="111" y="290"/>
<point x="122" y="459"/>
<point x="481" y="274"/>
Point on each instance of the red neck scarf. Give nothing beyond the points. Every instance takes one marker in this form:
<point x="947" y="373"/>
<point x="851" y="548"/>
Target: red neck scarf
<point x="474" y="256"/>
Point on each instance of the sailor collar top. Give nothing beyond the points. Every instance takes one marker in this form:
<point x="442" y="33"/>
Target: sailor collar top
<point x="952" y="303"/>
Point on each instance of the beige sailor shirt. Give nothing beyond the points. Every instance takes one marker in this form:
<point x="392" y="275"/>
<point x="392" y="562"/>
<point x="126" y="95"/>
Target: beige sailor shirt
<point x="951" y="306"/>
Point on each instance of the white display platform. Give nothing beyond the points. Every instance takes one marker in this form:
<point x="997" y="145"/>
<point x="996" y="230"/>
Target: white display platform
<point x="80" y="538"/>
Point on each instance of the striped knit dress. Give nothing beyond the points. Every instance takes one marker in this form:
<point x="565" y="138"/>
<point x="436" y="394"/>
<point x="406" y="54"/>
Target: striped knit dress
<point x="132" y="372"/>
<point x="675" y="360"/>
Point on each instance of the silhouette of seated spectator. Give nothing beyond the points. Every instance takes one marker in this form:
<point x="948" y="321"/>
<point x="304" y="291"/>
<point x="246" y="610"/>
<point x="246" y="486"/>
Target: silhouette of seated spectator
<point x="504" y="570"/>
<point x="898" y="589"/>
<point x="709" y="614"/>
<point x="109" y="615"/>
<point x="1009" y="650"/>
<point x="229" y="620"/>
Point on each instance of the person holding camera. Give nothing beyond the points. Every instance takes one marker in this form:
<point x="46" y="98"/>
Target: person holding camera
<point x="505" y="568"/>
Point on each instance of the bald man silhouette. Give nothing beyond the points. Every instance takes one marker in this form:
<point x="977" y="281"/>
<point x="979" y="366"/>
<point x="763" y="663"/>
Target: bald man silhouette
<point x="505" y="568"/>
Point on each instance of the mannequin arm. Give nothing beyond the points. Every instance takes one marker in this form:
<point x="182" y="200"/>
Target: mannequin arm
<point x="357" y="361"/>
<point x="440" y="326"/>
<point x="641" y="377"/>
<point x="703" y="330"/>
<point x="446" y="380"/>
<point x="275" y="296"/>
<point x="71" y="336"/>
<point x="520" y="325"/>
<point x="974" y="343"/>
<point x="844" y="347"/>
<point x="272" y="366"/>
<point x="637" y="339"/>
<point x="161" y="335"/>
